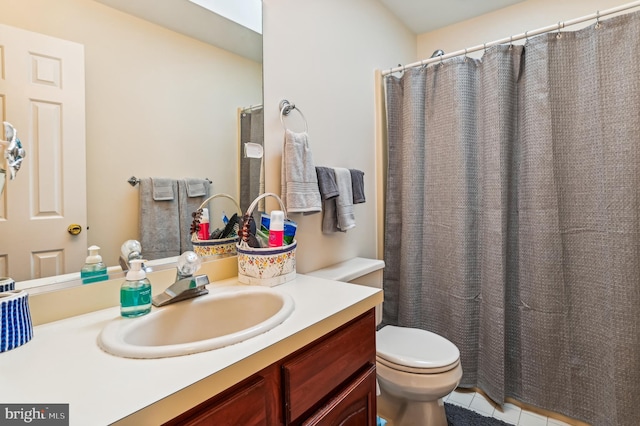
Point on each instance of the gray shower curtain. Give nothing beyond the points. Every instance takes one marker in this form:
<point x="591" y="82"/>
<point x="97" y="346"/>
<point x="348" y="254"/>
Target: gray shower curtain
<point x="251" y="130"/>
<point x="512" y="221"/>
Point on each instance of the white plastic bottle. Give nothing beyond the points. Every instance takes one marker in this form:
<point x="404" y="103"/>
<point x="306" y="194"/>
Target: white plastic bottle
<point x="135" y="292"/>
<point x="276" y="229"/>
<point x="94" y="269"/>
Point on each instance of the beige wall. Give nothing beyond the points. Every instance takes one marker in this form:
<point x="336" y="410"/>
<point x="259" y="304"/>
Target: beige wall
<point x="322" y="55"/>
<point x="157" y="104"/>
<point x="525" y="16"/>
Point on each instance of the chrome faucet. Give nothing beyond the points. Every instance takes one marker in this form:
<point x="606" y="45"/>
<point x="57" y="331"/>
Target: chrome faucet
<point x="187" y="285"/>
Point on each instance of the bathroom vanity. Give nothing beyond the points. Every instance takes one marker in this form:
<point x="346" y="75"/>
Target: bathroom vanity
<point x="315" y="367"/>
<point x="330" y="381"/>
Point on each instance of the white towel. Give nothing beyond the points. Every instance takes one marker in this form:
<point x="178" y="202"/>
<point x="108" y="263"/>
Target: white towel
<point x="300" y="191"/>
<point x="344" y="201"/>
<point x="159" y="218"/>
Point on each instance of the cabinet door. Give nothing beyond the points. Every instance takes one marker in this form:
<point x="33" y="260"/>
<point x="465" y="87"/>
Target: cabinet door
<point x="311" y="376"/>
<point x="353" y="406"/>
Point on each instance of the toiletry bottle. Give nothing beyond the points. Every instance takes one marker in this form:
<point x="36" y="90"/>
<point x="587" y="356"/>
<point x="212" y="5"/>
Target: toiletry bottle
<point x="276" y="228"/>
<point x="135" y="293"/>
<point x="94" y="269"/>
<point x="203" y="233"/>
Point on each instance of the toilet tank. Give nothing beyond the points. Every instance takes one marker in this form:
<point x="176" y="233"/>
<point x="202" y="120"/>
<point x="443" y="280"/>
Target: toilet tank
<point x="358" y="270"/>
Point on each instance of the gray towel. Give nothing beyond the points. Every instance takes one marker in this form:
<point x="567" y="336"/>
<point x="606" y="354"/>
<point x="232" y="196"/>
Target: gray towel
<point x="159" y="218"/>
<point x="329" y="217"/>
<point x="195" y="187"/>
<point x="357" y="184"/>
<point x="327" y="183"/>
<point x="299" y="181"/>
<point x="344" y="201"/>
<point x="329" y="192"/>
<point x="163" y="189"/>
<point x="191" y="193"/>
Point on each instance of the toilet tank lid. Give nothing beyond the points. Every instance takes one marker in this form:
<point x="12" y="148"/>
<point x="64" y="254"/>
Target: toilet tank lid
<point x="349" y="269"/>
<point x="413" y="347"/>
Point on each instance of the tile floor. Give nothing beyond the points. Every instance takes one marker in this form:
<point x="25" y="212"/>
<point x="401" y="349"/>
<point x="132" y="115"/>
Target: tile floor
<point x="511" y="414"/>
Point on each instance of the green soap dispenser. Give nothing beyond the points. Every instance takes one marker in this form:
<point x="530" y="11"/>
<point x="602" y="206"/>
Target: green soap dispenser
<point x="135" y="292"/>
<point x="94" y="269"/>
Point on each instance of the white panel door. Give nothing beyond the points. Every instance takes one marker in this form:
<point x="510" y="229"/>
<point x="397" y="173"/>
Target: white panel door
<point x="42" y="96"/>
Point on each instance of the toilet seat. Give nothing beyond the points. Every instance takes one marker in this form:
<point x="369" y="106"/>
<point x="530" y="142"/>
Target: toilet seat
<point x="415" y="351"/>
<point x="412" y="370"/>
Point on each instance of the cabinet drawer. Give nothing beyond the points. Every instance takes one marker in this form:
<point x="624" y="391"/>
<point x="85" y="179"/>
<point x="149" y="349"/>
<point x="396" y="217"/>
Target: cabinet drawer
<point x="247" y="406"/>
<point x="315" y="373"/>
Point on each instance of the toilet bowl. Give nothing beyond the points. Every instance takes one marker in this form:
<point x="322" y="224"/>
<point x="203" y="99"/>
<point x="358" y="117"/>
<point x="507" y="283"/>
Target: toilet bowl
<point x="415" y="368"/>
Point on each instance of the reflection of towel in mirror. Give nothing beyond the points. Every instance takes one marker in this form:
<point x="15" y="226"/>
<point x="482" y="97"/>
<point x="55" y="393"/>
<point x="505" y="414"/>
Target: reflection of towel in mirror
<point x="191" y="193"/>
<point x="159" y="218"/>
<point x="344" y="201"/>
<point x="300" y="191"/>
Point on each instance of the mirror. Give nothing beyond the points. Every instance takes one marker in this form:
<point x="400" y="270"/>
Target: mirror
<point x="158" y="103"/>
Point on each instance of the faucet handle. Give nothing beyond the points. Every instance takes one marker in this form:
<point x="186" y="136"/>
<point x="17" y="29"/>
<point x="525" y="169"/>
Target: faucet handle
<point x="188" y="264"/>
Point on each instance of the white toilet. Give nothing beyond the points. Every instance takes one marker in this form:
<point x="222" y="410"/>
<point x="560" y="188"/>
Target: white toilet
<point x="415" y="368"/>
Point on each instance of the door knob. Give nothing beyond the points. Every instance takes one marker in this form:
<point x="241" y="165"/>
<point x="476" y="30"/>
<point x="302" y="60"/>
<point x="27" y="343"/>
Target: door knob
<point x="74" y="229"/>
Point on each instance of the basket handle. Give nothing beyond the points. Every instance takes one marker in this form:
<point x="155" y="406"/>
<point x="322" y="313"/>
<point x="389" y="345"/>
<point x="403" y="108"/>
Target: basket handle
<point x="221" y="195"/>
<point x="196" y="218"/>
<point x="265" y="195"/>
<point x="248" y="216"/>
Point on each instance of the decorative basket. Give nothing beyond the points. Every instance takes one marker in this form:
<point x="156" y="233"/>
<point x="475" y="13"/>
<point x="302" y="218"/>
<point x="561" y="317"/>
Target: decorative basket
<point x="266" y="266"/>
<point x="223" y="247"/>
<point x="16" y="328"/>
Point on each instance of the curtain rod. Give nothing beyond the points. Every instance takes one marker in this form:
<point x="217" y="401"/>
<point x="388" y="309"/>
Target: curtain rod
<point x="526" y="34"/>
<point x="251" y="108"/>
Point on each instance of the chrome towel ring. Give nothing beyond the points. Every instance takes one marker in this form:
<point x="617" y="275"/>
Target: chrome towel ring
<point x="285" y="108"/>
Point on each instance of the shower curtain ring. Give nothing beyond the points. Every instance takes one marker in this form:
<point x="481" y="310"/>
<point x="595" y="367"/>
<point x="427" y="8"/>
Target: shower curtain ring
<point x="597" y="19"/>
<point x="559" y="33"/>
<point x="526" y="36"/>
<point x="465" y="55"/>
<point x="511" y="43"/>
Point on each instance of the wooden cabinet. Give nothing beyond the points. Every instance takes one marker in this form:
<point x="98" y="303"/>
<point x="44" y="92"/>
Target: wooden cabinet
<point x="328" y="382"/>
<point x="354" y="405"/>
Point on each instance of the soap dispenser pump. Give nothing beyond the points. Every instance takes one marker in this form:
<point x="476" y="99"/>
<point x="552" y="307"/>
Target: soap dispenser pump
<point x="94" y="269"/>
<point x="135" y="292"/>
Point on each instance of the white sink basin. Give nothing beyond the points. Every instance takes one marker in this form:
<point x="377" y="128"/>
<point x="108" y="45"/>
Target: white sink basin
<point x="221" y="318"/>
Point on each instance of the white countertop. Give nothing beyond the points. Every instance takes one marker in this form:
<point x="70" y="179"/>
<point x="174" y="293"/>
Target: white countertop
<point x="63" y="363"/>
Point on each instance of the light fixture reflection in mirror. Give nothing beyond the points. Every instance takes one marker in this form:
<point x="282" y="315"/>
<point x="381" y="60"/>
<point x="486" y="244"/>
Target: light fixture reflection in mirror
<point x="137" y="76"/>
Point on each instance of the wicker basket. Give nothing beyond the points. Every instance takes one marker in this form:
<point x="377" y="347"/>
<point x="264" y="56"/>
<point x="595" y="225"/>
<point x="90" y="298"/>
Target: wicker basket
<point x="266" y="266"/>
<point x="218" y="249"/>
